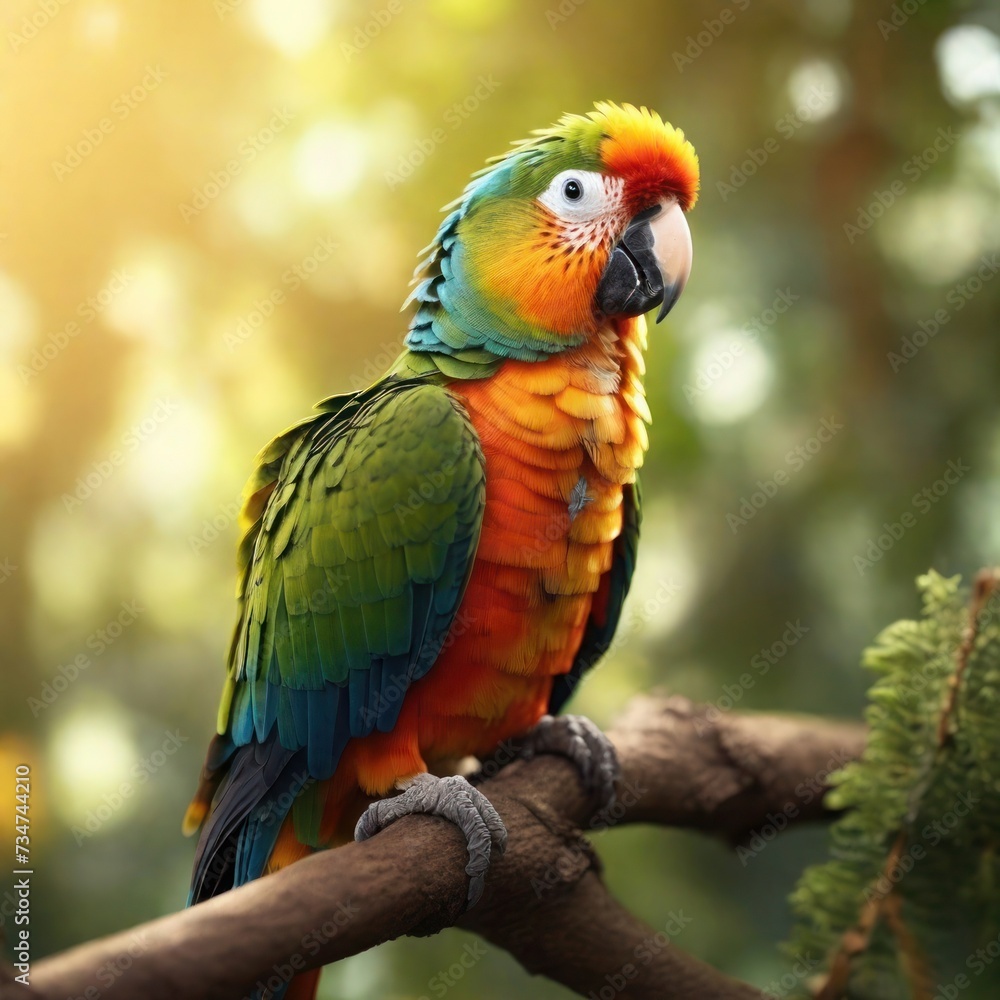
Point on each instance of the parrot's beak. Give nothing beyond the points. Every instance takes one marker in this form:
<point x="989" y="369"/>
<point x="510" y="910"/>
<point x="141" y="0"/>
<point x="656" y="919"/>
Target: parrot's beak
<point x="649" y="266"/>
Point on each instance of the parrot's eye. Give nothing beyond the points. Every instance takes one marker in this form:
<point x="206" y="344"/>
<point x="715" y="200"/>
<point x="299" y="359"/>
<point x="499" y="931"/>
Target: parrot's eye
<point x="573" y="190"/>
<point x="576" y="195"/>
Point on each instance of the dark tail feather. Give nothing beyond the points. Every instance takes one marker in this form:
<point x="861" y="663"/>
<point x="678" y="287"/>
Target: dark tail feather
<point x="243" y="825"/>
<point x="220" y="749"/>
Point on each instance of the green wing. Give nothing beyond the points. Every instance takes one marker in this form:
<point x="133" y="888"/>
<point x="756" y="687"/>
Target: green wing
<point x="361" y="524"/>
<point x="364" y="524"/>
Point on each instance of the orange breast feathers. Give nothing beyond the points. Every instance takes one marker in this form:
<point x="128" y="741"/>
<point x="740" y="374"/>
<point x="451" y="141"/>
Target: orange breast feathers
<point x="560" y="438"/>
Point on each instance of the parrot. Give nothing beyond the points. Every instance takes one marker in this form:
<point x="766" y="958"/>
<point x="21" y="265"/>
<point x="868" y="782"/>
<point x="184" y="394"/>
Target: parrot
<point x="428" y="567"/>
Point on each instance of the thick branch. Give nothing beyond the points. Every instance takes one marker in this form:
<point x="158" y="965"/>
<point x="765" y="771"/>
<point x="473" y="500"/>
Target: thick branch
<point x="544" y="901"/>
<point x="586" y="940"/>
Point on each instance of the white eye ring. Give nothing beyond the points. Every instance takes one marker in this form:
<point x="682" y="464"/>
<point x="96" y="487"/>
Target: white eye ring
<point x="575" y="195"/>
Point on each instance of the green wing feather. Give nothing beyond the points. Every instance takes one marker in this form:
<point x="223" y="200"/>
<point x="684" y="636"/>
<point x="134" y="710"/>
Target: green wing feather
<point x="361" y="524"/>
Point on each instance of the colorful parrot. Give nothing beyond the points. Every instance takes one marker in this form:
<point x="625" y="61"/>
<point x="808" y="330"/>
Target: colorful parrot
<point x="427" y="567"/>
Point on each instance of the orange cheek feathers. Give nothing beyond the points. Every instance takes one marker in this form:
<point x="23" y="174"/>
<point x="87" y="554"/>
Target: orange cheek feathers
<point x="551" y="284"/>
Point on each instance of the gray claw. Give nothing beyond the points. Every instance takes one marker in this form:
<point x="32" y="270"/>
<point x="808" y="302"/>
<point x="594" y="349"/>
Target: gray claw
<point x="576" y="737"/>
<point x="455" y="800"/>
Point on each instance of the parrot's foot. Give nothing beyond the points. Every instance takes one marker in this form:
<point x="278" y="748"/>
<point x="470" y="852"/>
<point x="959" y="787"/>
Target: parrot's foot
<point x="455" y="800"/>
<point x="576" y="737"/>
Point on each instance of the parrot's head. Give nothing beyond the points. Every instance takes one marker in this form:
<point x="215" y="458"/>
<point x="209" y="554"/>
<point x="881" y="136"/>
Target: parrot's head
<point x="581" y="224"/>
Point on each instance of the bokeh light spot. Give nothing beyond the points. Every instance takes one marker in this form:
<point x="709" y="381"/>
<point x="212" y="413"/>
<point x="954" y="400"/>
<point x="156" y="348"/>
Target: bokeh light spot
<point x="148" y="305"/>
<point x="815" y="90"/>
<point x="100" y="24"/>
<point x="91" y="754"/>
<point x="940" y="234"/>
<point x="968" y="59"/>
<point x="729" y="376"/>
<point x="20" y="410"/>
<point x="18" y="318"/>
<point x="292" y="26"/>
<point x="330" y="160"/>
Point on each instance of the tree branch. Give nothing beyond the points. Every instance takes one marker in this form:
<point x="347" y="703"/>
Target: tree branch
<point x="545" y="902"/>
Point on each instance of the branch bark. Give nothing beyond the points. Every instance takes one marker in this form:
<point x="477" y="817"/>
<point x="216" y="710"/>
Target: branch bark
<point x="545" y="903"/>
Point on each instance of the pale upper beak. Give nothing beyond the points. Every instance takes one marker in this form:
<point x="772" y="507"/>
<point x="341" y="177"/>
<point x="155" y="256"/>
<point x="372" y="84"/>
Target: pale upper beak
<point x="674" y="253"/>
<point x="650" y="265"/>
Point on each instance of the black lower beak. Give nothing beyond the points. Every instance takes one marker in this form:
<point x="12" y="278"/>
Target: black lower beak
<point x="632" y="283"/>
<point x="649" y="265"/>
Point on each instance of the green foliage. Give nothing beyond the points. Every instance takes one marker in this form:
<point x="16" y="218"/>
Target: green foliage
<point x="913" y="875"/>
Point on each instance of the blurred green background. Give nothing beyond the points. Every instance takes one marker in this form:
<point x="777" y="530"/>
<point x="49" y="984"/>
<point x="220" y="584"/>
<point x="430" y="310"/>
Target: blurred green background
<point x="209" y="213"/>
